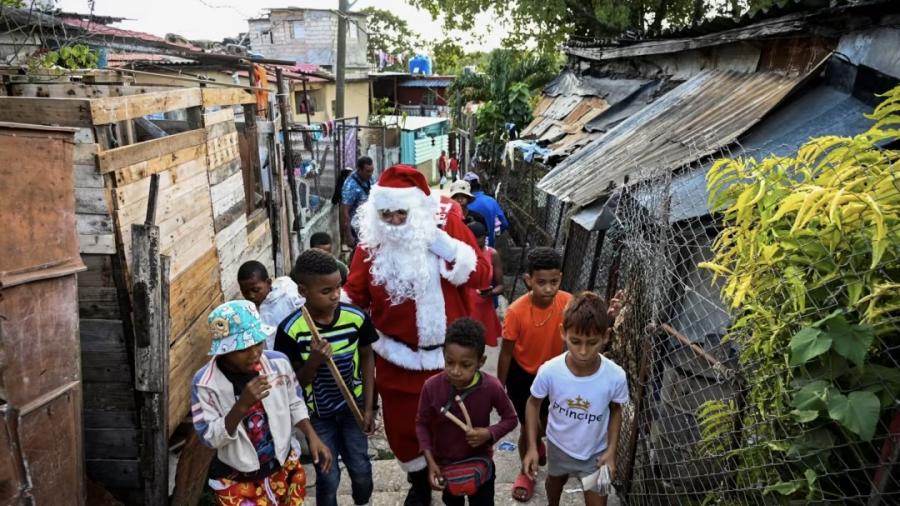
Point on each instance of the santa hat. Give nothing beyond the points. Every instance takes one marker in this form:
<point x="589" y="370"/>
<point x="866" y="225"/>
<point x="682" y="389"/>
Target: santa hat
<point x="400" y="187"/>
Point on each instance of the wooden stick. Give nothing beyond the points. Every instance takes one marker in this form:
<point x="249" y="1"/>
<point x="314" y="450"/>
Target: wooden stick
<point x="465" y="412"/>
<point x="693" y="346"/>
<point x="335" y="372"/>
<point x="454" y="419"/>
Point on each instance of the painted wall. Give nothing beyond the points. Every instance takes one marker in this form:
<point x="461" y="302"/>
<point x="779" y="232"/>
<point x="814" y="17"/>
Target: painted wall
<point x="416" y="148"/>
<point x="356" y="101"/>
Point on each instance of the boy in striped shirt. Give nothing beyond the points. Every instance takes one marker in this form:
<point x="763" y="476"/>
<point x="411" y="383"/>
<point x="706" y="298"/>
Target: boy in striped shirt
<point x="347" y="335"/>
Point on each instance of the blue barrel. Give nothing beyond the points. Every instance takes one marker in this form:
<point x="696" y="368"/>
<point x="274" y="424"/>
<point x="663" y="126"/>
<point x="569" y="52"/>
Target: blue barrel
<point x="420" y="64"/>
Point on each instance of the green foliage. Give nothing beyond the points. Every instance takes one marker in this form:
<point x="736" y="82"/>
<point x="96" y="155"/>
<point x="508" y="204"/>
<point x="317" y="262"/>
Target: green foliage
<point x="809" y="260"/>
<point x="73" y="57"/>
<point x="450" y="57"/>
<point x="545" y="24"/>
<point x="507" y="87"/>
<point x="381" y="107"/>
<point x="12" y="3"/>
<point x="389" y="33"/>
<point x="716" y="421"/>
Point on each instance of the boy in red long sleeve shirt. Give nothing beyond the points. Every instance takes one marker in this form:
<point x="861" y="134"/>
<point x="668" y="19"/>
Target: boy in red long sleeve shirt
<point x="442" y="440"/>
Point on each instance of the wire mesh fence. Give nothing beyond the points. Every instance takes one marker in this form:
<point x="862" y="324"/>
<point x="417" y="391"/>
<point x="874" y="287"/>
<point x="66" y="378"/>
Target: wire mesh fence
<point x="536" y="219"/>
<point x="760" y="333"/>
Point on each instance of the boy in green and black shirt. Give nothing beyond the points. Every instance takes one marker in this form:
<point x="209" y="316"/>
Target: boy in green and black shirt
<point x="347" y="335"/>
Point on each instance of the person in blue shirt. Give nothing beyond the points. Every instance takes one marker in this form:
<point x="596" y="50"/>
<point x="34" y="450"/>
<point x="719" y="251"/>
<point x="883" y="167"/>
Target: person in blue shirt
<point x="486" y="206"/>
<point x="354" y="192"/>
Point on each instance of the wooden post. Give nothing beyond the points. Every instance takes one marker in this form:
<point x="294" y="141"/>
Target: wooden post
<point x="150" y="274"/>
<point x="306" y="98"/>
<point x="192" y="468"/>
<point x="288" y="152"/>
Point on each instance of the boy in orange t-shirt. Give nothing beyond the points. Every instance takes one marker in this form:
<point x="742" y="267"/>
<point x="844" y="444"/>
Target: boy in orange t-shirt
<point x="532" y="336"/>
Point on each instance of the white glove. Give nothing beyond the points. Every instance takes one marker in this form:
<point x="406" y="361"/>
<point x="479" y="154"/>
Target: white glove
<point x="443" y="246"/>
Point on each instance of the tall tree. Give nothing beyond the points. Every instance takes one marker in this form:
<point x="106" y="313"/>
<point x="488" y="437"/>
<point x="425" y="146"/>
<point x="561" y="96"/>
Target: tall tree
<point x="549" y="23"/>
<point x="451" y="58"/>
<point x="388" y="33"/>
<point x="506" y="87"/>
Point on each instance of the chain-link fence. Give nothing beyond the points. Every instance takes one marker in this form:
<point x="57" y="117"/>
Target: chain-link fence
<point x="535" y="218"/>
<point x="760" y="332"/>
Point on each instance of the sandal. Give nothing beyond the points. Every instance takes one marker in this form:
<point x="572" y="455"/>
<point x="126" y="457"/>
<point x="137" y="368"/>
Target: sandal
<point x="542" y="454"/>
<point x="525" y="483"/>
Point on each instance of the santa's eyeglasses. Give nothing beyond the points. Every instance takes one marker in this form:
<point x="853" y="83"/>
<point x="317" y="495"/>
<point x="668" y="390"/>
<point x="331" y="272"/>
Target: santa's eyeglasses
<point x="394" y="217"/>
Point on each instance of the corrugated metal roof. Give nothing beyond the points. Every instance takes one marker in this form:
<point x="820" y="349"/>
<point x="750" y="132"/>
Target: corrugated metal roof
<point x="110" y="31"/>
<point x="412" y="122"/>
<point x="569" y="103"/>
<point x="823" y="110"/>
<point x="694" y="120"/>
<point x="722" y="29"/>
<point x="119" y="59"/>
<point x="426" y="83"/>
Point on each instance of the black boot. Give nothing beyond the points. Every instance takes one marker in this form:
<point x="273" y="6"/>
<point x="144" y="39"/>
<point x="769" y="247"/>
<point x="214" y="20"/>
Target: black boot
<point x="420" y="490"/>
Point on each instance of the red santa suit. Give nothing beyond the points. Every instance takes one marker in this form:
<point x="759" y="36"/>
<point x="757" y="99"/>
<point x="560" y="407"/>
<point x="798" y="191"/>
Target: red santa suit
<point x="411" y="330"/>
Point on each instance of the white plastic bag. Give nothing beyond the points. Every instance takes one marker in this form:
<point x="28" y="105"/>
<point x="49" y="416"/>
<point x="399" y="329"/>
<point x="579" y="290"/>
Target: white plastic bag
<point x="283" y="300"/>
<point x="598" y="482"/>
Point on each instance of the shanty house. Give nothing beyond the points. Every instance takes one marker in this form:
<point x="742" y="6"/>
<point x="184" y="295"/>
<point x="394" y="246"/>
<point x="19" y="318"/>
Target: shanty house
<point x="166" y="211"/>
<point x="421" y="141"/>
<point x="631" y="129"/>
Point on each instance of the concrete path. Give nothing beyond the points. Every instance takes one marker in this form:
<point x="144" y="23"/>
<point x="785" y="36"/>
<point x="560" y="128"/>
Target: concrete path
<point x="391" y="485"/>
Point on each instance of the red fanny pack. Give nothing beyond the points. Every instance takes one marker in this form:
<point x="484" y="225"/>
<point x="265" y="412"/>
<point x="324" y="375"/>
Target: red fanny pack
<point x="467" y="476"/>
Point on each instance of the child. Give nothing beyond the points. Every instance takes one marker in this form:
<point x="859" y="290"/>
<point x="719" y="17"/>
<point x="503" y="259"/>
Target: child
<point x="347" y="335"/>
<point x="275" y="300"/>
<point x="322" y="241"/>
<point x="244" y="403"/>
<point x="586" y="391"/>
<point x="482" y="301"/>
<point x="531" y="336"/>
<point x="444" y="442"/>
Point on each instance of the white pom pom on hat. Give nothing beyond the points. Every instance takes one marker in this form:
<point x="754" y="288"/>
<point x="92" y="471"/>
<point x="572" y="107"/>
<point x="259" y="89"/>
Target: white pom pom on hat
<point x="400" y="187"/>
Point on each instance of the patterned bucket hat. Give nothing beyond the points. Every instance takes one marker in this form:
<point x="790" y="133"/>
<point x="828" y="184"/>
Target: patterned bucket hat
<point x="235" y="326"/>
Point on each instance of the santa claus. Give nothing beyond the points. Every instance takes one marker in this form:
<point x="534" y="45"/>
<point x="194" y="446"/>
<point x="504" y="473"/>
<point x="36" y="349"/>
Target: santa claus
<point x="410" y="273"/>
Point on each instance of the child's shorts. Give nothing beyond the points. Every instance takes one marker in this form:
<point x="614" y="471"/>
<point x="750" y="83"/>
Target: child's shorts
<point x="560" y="463"/>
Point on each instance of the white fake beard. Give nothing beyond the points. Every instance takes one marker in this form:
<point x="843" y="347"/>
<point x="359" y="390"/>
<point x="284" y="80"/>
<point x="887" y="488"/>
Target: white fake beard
<point x="401" y="261"/>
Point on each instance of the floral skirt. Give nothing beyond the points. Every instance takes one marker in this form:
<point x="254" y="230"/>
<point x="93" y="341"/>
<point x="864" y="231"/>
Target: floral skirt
<point x="285" y="487"/>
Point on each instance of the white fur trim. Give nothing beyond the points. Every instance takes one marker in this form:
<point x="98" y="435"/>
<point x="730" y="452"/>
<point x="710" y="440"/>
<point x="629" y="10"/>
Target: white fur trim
<point x="431" y="312"/>
<point x="464" y="265"/>
<point x="403" y="356"/>
<point x="395" y="199"/>
<point x="416" y="464"/>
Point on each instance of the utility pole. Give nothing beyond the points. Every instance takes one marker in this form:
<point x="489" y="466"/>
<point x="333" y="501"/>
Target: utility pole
<point x="343" y="8"/>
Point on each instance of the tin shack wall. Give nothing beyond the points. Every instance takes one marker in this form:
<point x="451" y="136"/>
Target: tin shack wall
<point x="40" y="374"/>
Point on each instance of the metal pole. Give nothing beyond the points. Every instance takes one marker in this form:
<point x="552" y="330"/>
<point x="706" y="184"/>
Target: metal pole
<point x="341" y="58"/>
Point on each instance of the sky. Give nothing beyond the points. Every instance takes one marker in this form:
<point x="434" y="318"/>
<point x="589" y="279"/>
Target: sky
<point x="216" y="19"/>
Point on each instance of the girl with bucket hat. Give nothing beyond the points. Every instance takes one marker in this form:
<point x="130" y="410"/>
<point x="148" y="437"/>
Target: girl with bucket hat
<point x="244" y="403"/>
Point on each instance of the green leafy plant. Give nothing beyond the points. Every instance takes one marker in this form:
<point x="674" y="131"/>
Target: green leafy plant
<point x="716" y="421"/>
<point x="381" y="107"/>
<point x="810" y="264"/>
<point x="73" y="57"/>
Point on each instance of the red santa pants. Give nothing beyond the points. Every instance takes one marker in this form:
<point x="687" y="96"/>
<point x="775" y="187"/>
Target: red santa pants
<point x="399" y="390"/>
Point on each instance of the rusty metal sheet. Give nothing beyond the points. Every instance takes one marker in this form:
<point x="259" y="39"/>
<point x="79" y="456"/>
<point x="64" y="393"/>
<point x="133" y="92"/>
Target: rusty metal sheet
<point x="39" y="328"/>
<point x="38" y="199"/>
<point x="50" y="438"/>
<point x="12" y="470"/>
<point x="694" y="120"/>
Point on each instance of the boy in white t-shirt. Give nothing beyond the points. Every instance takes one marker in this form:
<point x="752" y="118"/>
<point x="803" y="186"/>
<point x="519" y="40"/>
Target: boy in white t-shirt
<point x="586" y="391"/>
